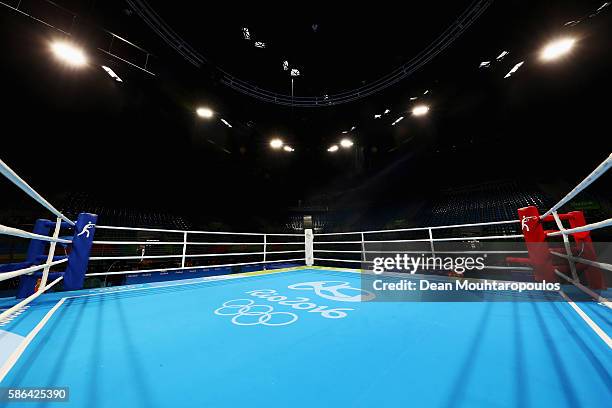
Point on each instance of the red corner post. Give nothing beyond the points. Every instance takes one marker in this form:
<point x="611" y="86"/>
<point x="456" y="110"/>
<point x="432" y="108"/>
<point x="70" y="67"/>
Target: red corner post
<point x="535" y="239"/>
<point x="594" y="276"/>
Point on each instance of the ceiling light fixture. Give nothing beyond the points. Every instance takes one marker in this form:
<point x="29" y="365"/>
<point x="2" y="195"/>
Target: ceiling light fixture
<point x="557" y="49"/>
<point x="226" y="123"/>
<point x="333" y="148"/>
<point x="346" y="143"/>
<point x="205" y="113"/>
<point x="69" y="53"/>
<point x="514" y="69"/>
<point x="502" y="55"/>
<point x="420" y="110"/>
<point x="276" y="143"/>
<point x="111" y="73"/>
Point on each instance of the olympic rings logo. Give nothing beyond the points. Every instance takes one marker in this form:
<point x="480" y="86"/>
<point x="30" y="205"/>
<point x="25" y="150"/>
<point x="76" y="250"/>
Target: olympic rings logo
<point x="335" y="290"/>
<point x="247" y="313"/>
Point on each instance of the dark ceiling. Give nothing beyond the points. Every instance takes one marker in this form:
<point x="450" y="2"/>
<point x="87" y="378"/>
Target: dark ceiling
<point x="138" y="143"/>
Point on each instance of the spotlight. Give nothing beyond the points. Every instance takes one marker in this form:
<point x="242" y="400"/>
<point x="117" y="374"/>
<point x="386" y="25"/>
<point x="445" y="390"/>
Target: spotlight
<point x="333" y="148"/>
<point x="288" y="148"/>
<point x="398" y="120"/>
<point x="69" y="53"/>
<point x="420" y="110"/>
<point x="206" y="113"/>
<point x="346" y="143"/>
<point x="276" y="143"/>
<point x="557" y="49"/>
<point x="111" y="73"/>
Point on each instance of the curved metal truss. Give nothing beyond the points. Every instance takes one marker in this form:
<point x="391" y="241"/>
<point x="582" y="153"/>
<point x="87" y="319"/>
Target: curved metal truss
<point x="454" y="31"/>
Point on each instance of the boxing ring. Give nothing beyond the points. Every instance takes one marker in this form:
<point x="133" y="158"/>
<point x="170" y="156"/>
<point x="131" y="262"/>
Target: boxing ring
<point x="236" y="319"/>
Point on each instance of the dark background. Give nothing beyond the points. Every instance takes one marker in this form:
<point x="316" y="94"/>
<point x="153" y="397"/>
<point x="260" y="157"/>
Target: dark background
<point x="138" y="145"/>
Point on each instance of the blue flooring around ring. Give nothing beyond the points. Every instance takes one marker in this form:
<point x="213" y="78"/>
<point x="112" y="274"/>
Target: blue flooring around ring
<point x="164" y="346"/>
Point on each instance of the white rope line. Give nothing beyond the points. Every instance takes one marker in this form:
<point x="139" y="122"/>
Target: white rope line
<point x="601" y="265"/>
<point x="27" y="300"/>
<point x="338" y="251"/>
<point x="190" y="243"/>
<point x="602" y="334"/>
<point x="595" y="174"/>
<point x="341" y="260"/>
<point x="260" y="234"/>
<point x="422" y="240"/>
<point x="113" y="258"/>
<point x="50" y="254"/>
<point x="584" y="228"/>
<point x="421" y="228"/>
<point x="586" y="290"/>
<point x="193" y="267"/>
<point x="566" y="244"/>
<point x="7" y="172"/>
<point x="242" y="253"/>
<point x="31" y="269"/>
<point x="518" y="268"/>
<point x="422" y="252"/>
<point x="510" y="268"/>
<point x="138" y="242"/>
<point x="15" y="232"/>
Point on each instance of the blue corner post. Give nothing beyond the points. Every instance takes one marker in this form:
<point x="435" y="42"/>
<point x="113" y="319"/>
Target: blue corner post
<point x="36" y="249"/>
<point x="79" y="254"/>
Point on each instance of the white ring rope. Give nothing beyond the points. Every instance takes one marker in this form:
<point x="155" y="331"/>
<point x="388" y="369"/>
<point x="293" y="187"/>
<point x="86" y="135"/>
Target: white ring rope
<point x="517" y="268"/>
<point x="113" y="258"/>
<point x="30" y="269"/>
<point x="7" y="172"/>
<point x="15" y="232"/>
<point x="422" y="228"/>
<point x="422" y="252"/>
<point x="423" y="240"/>
<point x="27" y="300"/>
<point x="595" y="174"/>
<point x="261" y="234"/>
<point x="189" y="243"/>
<point x="584" y="228"/>
<point x="586" y="290"/>
<point x="193" y="267"/>
<point x="601" y="265"/>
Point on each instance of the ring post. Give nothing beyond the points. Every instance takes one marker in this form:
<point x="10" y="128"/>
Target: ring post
<point x="594" y="277"/>
<point x="309" y="247"/>
<point x="79" y="255"/>
<point x="535" y="240"/>
<point x="36" y="249"/>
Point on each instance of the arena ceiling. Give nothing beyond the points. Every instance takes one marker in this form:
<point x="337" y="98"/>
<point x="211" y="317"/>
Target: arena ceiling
<point x="144" y="130"/>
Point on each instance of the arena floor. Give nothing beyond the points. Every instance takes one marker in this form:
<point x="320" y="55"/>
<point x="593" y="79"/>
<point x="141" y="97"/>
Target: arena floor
<point x="214" y="342"/>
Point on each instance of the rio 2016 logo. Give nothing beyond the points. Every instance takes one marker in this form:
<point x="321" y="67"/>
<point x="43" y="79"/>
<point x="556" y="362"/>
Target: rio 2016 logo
<point x="245" y="312"/>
